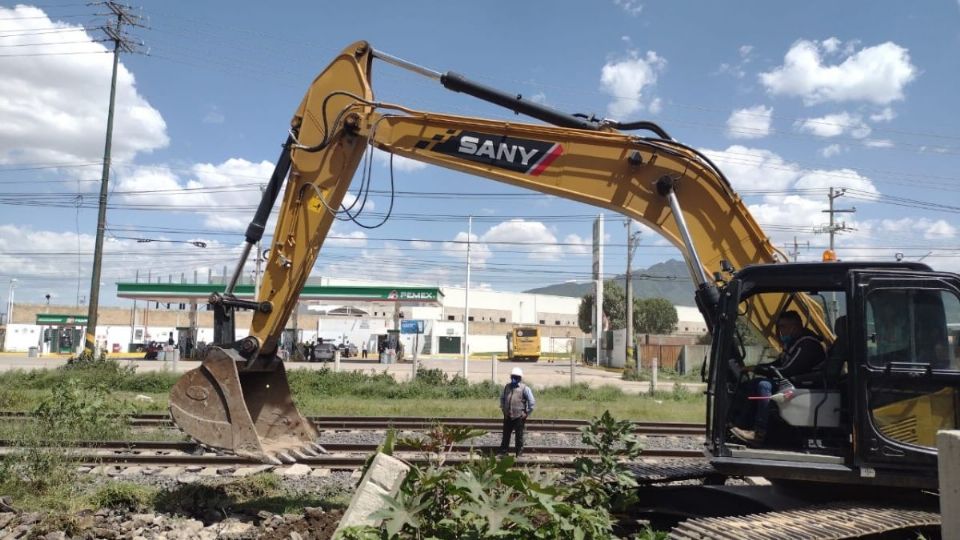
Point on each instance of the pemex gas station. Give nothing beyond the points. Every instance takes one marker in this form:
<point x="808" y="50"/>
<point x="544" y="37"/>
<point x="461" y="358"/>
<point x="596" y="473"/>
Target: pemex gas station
<point x="360" y="314"/>
<point x="150" y="314"/>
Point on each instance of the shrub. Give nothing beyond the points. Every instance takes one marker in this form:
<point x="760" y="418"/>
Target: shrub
<point x="123" y="496"/>
<point x="606" y="480"/>
<point x="489" y="498"/>
<point x="630" y="373"/>
<point x="74" y="412"/>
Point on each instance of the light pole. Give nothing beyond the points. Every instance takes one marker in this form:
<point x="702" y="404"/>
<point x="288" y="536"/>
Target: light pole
<point x="13" y="284"/>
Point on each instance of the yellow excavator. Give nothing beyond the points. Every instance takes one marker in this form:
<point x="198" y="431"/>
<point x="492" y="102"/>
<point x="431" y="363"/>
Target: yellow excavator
<point x="866" y="419"/>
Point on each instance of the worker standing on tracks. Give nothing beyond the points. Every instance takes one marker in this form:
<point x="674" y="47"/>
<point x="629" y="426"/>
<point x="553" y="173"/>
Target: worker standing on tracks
<point x="517" y="403"/>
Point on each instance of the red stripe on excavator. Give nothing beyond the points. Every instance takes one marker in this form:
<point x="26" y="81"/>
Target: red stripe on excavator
<point x="553" y="154"/>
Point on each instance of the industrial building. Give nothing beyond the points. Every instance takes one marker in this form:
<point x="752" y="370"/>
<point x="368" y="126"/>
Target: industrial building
<point x="333" y="310"/>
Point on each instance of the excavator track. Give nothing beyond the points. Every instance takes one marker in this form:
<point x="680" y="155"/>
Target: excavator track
<point x="848" y="520"/>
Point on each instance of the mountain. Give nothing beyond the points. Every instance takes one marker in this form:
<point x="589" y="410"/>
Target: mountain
<point x="670" y="280"/>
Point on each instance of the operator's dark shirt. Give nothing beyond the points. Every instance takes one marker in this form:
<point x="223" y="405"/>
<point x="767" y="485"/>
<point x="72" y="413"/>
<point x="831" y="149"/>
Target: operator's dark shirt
<point x="804" y="355"/>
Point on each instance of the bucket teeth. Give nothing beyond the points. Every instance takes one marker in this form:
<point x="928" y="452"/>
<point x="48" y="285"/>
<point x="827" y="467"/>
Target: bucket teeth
<point x="310" y="451"/>
<point x="267" y="458"/>
<point x="319" y="448"/>
<point x="286" y="458"/>
<point x="300" y="454"/>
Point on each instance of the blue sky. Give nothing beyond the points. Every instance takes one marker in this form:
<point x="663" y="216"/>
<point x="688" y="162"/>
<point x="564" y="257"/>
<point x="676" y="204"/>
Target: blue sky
<point x="790" y="99"/>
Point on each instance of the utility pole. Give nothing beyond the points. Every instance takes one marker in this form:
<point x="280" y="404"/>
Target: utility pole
<point x="796" y="248"/>
<point x="120" y="43"/>
<point x="133" y="316"/>
<point x="13" y="285"/>
<point x="633" y="240"/>
<point x="256" y="279"/>
<point x="598" y="282"/>
<point x="466" y="304"/>
<point x="832" y="229"/>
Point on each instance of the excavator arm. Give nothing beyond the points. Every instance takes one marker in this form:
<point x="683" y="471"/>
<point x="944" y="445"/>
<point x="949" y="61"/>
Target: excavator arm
<point x="239" y="399"/>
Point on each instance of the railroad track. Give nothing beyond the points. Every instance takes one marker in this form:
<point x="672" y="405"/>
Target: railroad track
<point x="335" y="423"/>
<point x="341" y="456"/>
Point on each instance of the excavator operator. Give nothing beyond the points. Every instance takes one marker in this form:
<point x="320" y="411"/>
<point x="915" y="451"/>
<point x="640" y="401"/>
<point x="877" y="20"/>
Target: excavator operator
<point x="803" y="353"/>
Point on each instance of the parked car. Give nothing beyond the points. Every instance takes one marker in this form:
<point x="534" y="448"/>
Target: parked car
<point x="348" y="350"/>
<point x="323" y="352"/>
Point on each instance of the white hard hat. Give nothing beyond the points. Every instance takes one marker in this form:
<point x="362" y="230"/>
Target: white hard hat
<point x="517" y="371"/>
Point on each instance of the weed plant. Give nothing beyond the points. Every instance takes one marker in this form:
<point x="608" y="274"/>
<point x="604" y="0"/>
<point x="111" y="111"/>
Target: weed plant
<point x="490" y="498"/>
<point x="79" y="407"/>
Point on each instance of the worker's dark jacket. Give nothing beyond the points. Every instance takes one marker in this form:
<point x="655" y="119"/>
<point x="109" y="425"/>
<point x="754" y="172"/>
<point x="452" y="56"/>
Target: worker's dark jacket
<point x="517" y="401"/>
<point x="804" y="355"/>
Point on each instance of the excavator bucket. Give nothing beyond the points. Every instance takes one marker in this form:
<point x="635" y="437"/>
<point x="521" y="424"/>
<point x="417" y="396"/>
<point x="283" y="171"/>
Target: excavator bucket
<point x="249" y="413"/>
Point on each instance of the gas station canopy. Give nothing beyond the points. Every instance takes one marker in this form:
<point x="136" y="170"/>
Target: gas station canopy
<point x="199" y="292"/>
<point x="53" y="319"/>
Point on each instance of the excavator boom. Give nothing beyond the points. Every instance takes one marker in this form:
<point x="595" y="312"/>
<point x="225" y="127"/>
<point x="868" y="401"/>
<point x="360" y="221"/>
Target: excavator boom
<point x="239" y="399"/>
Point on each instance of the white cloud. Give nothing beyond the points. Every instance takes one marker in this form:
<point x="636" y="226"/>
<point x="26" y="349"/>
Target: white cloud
<point x="750" y="123"/>
<point x="878" y="143"/>
<point x="836" y="178"/>
<point x="578" y="245"/>
<point x="224" y="194"/>
<point x="480" y="253"/>
<point x="738" y="68"/>
<point x="355" y="239"/>
<point x="400" y="163"/>
<point x="754" y="168"/>
<point x="390" y="265"/>
<point x="539" y="97"/>
<point x="214" y="116"/>
<point x="349" y="198"/>
<point x="833" y="125"/>
<point x="884" y="115"/>
<point x="655" y="106"/>
<point x="831" y="150"/>
<point x="23" y="247"/>
<point x="626" y="80"/>
<point x="633" y="7"/>
<point x="542" y="242"/>
<point x="791" y="210"/>
<point x="831" y="45"/>
<point x="420" y="244"/>
<point x="54" y="107"/>
<point x="876" y="74"/>
<point x="930" y="229"/>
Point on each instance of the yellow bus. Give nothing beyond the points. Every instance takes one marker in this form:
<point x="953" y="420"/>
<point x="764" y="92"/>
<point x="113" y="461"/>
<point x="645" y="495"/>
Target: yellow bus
<point x="523" y="344"/>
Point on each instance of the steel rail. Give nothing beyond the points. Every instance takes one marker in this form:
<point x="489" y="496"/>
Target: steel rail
<point x="322" y="461"/>
<point x="424" y="423"/>
<point x="193" y="449"/>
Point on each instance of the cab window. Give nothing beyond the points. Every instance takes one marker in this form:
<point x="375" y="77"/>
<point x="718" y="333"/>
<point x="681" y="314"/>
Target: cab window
<point x="914" y="326"/>
<point x="907" y="330"/>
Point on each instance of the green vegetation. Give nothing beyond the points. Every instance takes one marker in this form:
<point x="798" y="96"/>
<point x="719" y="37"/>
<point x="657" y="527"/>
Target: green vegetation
<point x="124" y="496"/>
<point x="490" y="498"/>
<point x="78" y="407"/>
<point x="323" y="392"/>
<point x="650" y="315"/>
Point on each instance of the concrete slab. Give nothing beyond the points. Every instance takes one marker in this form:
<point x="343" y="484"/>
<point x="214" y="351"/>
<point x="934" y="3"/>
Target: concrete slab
<point x="948" y="453"/>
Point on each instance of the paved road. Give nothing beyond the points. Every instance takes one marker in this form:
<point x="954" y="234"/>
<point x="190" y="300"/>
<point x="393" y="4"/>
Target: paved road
<point x="539" y="374"/>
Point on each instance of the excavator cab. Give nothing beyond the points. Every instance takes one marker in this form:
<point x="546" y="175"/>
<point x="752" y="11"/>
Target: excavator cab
<point x="889" y="381"/>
